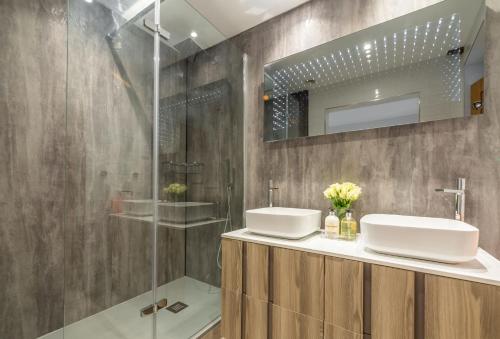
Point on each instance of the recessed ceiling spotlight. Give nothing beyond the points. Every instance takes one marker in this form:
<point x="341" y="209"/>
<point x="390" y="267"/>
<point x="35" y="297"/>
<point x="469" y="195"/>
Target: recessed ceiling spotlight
<point x="89" y="1"/>
<point x="367" y="46"/>
<point x="194" y="34"/>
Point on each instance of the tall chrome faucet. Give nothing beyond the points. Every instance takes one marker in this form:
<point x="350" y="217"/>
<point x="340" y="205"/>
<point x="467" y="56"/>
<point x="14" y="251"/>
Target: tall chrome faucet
<point x="459" y="198"/>
<point x="270" y="193"/>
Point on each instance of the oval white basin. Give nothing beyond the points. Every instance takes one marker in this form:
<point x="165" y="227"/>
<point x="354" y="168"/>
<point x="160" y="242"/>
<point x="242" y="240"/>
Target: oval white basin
<point x="290" y="223"/>
<point x="443" y="240"/>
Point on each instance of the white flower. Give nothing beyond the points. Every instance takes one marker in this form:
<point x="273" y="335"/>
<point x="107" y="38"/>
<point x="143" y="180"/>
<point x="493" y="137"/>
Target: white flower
<point x="342" y="195"/>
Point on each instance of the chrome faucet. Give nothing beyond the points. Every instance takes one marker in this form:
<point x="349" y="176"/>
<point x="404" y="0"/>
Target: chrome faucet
<point x="459" y="198"/>
<point x="270" y="193"/>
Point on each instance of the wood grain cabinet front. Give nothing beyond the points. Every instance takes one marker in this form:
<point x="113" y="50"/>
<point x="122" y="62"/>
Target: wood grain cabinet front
<point x="298" y="281"/>
<point x="256" y="267"/>
<point x="458" y="309"/>
<point x="231" y="314"/>
<point x="393" y="303"/>
<point x="343" y="296"/>
<point x="255" y="315"/>
<point x="286" y="324"/>
<point x="232" y="265"/>
<point x="335" y="332"/>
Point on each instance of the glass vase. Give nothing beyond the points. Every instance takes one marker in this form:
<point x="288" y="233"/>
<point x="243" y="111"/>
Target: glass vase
<point x="340" y="212"/>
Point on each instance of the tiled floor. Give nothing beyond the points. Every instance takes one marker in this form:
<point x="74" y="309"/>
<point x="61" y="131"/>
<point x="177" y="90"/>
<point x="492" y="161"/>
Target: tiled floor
<point x="123" y="321"/>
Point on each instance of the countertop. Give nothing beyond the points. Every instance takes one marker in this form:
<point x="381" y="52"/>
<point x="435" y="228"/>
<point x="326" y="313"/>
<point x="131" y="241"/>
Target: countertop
<point x="483" y="269"/>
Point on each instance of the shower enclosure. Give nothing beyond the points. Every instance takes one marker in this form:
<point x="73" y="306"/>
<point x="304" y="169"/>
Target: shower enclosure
<point x="156" y="93"/>
<point x="149" y="174"/>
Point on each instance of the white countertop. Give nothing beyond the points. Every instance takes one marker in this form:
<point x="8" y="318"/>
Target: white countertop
<point x="483" y="269"/>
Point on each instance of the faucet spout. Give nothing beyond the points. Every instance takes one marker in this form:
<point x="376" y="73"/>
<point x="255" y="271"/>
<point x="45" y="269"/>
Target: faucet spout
<point x="271" y="190"/>
<point x="459" y="198"/>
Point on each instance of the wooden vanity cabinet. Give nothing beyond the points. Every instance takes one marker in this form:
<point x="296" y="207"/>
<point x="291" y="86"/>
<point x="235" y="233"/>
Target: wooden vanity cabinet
<point x="392" y="303"/>
<point x="458" y="309"/>
<point x="231" y="288"/>
<point x="256" y="275"/>
<point x="232" y="265"/>
<point x="298" y="281"/>
<point x="287" y="324"/>
<point x="255" y="318"/>
<point x="343" y="298"/>
<point x="276" y="293"/>
<point x="231" y="314"/>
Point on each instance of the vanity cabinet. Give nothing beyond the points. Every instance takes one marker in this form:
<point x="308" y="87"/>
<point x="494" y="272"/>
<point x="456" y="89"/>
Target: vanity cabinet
<point x="298" y="281"/>
<point x="231" y="314"/>
<point x="256" y="315"/>
<point x="256" y="259"/>
<point x="458" y="309"/>
<point x="231" y="289"/>
<point x="287" y="324"/>
<point x="270" y="292"/>
<point x="343" y="298"/>
<point x="392" y="303"/>
<point x="232" y="265"/>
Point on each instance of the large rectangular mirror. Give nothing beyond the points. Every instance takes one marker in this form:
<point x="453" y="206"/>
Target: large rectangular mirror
<point x="424" y="66"/>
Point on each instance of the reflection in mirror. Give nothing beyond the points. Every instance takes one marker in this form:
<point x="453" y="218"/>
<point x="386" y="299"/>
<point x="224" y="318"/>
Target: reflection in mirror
<point x="425" y="66"/>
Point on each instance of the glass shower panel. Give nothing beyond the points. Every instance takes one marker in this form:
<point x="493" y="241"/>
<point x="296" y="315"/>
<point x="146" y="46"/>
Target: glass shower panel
<point x="109" y="223"/>
<point x="200" y="165"/>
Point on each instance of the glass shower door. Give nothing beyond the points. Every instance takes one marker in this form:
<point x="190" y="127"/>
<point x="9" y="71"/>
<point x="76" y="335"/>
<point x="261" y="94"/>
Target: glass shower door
<point x="200" y="165"/>
<point x="109" y="228"/>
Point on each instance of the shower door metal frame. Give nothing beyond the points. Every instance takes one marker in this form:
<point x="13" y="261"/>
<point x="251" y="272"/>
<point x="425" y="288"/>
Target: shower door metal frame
<point x="156" y="119"/>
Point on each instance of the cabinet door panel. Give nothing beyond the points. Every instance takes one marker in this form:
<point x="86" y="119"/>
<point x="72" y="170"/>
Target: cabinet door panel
<point x="298" y="281"/>
<point x="335" y="332"/>
<point x="256" y="318"/>
<point x="232" y="265"/>
<point x="231" y="314"/>
<point x="287" y="324"/>
<point x="257" y="271"/>
<point x="344" y="293"/>
<point x="393" y="303"/>
<point x="457" y="309"/>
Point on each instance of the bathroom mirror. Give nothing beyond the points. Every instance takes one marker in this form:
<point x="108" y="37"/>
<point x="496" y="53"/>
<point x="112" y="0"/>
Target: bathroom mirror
<point x="424" y="66"/>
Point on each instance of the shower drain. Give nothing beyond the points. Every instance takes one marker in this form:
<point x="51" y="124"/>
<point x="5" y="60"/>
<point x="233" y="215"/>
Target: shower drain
<point x="177" y="307"/>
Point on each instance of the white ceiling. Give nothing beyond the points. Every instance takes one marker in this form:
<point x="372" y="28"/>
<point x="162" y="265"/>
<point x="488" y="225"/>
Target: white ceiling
<point x="180" y="19"/>
<point x="213" y="20"/>
<point x="235" y="16"/>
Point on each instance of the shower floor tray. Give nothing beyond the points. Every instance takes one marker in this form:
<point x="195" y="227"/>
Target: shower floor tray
<point x="123" y="321"/>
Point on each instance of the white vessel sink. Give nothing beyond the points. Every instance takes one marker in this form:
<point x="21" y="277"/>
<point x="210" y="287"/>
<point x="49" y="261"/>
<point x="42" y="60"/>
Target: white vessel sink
<point x="443" y="240"/>
<point x="290" y="223"/>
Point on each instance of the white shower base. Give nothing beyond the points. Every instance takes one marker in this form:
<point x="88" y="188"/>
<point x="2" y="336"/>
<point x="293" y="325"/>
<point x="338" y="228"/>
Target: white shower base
<point x="122" y="321"/>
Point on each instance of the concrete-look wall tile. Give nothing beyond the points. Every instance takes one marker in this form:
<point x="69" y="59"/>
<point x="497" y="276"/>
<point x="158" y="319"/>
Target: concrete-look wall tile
<point x="32" y="122"/>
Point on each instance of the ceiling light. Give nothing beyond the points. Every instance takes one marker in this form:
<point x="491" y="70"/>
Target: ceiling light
<point x="89" y="1"/>
<point x="367" y="46"/>
<point x="194" y="34"/>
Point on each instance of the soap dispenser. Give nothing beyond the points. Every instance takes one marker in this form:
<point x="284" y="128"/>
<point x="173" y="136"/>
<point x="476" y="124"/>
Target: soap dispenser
<point x="348" y="227"/>
<point x="332" y="225"/>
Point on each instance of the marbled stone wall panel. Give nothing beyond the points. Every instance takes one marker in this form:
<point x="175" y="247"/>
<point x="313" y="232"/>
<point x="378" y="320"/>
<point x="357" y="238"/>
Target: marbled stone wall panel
<point x="32" y="127"/>
<point x="398" y="167"/>
<point x="202" y="244"/>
